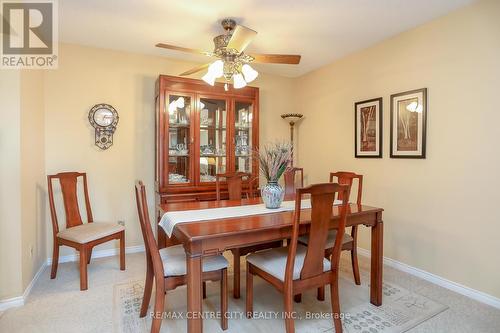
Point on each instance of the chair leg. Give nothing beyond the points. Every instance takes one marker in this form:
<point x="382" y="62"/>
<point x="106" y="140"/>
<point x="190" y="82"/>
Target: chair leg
<point x="321" y="294"/>
<point x="83" y="268"/>
<point x="55" y="260"/>
<point x="148" y="288"/>
<point x="355" y="266"/>
<point x="236" y="275"/>
<point x="122" y="251"/>
<point x="204" y="285"/>
<point x="159" y="307"/>
<point x="297" y="298"/>
<point x="334" y="293"/>
<point x="89" y="255"/>
<point x="223" y="299"/>
<point x="249" y="294"/>
<point x="289" y="322"/>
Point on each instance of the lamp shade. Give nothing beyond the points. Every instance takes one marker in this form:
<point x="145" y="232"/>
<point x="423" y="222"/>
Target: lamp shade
<point x="249" y="73"/>
<point x="292" y="117"/>
<point x="216" y="68"/>
<point x="239" y="81"/>
<point x="209" y="78"/>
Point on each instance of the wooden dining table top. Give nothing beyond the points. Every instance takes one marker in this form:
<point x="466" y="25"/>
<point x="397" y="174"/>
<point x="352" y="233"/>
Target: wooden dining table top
<point x="199" y="230"/>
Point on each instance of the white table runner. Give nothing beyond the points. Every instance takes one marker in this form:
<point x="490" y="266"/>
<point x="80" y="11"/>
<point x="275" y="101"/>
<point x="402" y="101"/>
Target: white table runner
<point x="170" y="219"/>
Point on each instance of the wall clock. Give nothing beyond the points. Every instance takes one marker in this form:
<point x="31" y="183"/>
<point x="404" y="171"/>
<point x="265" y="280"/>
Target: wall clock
<point x="104" y="119"/>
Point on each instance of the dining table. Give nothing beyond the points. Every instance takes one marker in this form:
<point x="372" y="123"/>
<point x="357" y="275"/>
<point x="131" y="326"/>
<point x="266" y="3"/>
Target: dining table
<point x="214" y="236"/>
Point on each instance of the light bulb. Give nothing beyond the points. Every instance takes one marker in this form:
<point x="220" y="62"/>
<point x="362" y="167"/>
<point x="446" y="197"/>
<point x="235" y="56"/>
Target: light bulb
<point x="209" y="78"/>
<point x="239" y="81"/>
<point x="216" y="68"/>
<point x="249" y="73"/>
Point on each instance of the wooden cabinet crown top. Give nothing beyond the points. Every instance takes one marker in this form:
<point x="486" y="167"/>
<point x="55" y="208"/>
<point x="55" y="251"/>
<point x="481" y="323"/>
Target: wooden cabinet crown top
<point x="167" y="82"/>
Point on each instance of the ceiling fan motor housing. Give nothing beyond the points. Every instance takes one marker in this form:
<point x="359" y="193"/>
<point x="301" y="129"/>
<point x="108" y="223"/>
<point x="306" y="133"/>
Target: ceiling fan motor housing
<point x="228" y="24"/>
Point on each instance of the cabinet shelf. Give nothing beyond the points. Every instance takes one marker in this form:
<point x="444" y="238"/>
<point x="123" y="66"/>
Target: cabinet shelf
<point x="175" y="125"/>
<point x="212" y="127"/>
<point x="212" y="155"/>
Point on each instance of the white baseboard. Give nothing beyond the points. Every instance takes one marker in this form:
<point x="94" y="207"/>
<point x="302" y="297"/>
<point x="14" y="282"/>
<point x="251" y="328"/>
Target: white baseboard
<point x="11" y="303"/>
<point x="20" y="300"/>
<point x="440" y="281"/>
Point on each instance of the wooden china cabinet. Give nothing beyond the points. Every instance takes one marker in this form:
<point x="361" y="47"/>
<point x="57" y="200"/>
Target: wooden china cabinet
<point x="202" y="130"/>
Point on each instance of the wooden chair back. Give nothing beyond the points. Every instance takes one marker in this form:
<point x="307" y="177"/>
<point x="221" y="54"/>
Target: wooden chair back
<point x="234" y="182"/>
<point x="322" y="199"/>
<point x="69" y="189"/>
<point x="152" y="251"/>
<point x="290" y="176"/>
<point x="347" y="178"/>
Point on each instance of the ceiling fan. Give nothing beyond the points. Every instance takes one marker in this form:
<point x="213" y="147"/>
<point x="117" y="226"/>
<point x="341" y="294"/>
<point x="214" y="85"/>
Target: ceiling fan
<point x="233" y="63"/>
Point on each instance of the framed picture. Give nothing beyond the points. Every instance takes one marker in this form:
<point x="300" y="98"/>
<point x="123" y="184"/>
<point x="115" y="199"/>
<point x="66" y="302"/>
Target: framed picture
<point x="408" y="124"/>
<point x="368" y="128"/>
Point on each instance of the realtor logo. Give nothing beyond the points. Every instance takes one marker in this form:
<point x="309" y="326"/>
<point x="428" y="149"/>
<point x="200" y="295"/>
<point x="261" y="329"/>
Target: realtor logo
<point x="29" y="34"/>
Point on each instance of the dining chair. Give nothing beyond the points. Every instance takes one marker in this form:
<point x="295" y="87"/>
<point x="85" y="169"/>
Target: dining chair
<point x="350" y="242"/>
<point x="78" y="235"/>
<point x="290" y="176"/>
<point x="168" y="267"/>
<point x="297" y="267"/>
<point x="234" y="182"/>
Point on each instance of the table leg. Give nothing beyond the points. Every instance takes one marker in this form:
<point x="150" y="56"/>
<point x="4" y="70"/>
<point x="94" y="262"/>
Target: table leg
<point x="194" y="320"/>
<point x="377" y="263"/>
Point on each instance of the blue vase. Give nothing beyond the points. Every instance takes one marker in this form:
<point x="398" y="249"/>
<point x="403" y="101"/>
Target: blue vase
<point x="272" y="195"/>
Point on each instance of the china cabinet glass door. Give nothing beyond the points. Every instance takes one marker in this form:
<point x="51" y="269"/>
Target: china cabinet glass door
<point x="179" y="138"/>
<point x="243" y="115"/>
<point x="213" y="138"/>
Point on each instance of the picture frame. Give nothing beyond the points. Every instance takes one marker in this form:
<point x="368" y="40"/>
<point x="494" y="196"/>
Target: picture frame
<point x="368" y="128"/>
<point x="408" y="124"/>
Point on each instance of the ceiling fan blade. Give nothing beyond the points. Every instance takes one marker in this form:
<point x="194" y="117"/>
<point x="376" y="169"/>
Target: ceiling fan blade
<point x="183" y="49"/>
<point x="241" y="38"/>
<point x="276" y="58"/>
<point x="195" y="69"/>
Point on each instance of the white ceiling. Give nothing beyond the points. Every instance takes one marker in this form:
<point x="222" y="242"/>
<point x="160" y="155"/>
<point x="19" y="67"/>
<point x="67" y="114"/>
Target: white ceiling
<point x="320" y="30"/>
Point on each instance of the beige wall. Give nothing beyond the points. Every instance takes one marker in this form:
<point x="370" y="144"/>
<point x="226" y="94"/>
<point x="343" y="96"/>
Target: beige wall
<point x="87" y="76"/>
<point x="10" y="189"/>
<point x="440" y="212"/>
<point x="22" y="169"/>
<point x="33" y="188"/>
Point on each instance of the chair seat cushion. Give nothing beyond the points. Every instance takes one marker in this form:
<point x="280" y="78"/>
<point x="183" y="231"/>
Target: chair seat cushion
<point x="273" y="261"/>
<point x="89" y="232"/>
<point x="330" y="240"/>
<point x="174" y="261"/>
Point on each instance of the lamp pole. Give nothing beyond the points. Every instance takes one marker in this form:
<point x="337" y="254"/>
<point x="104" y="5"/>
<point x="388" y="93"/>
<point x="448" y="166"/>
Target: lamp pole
<point x="292" y="119"/>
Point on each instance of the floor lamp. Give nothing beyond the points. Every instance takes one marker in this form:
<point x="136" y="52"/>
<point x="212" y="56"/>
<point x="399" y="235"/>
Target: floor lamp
<point x="292" y="119"/>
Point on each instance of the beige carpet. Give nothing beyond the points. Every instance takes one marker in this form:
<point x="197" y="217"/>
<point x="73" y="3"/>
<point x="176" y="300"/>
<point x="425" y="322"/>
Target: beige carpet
<point x="59" y="306"/>
<point x="401" y="311"/>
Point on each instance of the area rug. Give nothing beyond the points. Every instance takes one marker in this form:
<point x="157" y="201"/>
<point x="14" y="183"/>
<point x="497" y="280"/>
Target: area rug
<point x="401" y="310"/>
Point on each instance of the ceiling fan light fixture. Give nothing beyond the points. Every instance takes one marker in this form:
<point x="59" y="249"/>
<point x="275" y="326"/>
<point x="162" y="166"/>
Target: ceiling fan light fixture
<point x="249" y="73"/>
<point x="216" y="68"/>
<point x="239" y="81"/>
<point x="209" y="78"/>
